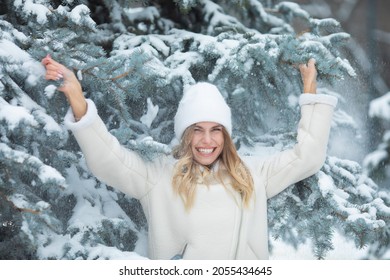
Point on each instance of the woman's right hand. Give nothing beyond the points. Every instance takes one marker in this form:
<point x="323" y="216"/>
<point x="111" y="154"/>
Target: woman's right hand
<point x="71" y="87"/>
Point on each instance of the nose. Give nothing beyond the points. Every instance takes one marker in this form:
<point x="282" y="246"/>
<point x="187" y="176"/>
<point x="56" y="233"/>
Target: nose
<point x="206" y="139"/>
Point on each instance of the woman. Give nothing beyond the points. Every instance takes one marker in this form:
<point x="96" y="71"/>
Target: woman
<point x="204" y="202"/>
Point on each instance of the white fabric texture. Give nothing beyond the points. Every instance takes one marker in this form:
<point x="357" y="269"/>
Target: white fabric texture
<point x="310" y="98"/>
<point x="85" y="121"/>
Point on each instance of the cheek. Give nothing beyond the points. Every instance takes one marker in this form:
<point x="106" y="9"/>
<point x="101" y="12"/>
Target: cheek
<point x="221" y="141"/>
<point x="193" y="141"/>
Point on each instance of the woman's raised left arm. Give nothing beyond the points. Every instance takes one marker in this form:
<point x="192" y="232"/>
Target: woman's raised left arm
<point x="309" y="153"/>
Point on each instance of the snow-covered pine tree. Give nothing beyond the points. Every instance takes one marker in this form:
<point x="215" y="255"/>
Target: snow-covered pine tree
<point x="134" y="61"/>
<point x="377" y="162"/>
<point x="52" y="206"/>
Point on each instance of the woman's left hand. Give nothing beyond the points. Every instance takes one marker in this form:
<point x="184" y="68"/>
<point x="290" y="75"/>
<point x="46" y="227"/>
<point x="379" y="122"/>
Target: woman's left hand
<point x="309" y="76"/>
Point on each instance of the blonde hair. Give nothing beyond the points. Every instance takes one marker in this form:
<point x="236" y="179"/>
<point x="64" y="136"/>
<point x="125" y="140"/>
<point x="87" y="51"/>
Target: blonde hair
<point x="186" y="170"/>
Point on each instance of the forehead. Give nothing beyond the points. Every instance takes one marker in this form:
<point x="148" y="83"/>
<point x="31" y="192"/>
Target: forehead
<point x="206" y="125"/>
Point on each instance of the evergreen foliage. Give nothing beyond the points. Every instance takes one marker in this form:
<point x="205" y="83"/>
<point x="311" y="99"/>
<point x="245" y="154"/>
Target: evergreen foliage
<point x="377" y="162"/>
<point x="133" y="59"/>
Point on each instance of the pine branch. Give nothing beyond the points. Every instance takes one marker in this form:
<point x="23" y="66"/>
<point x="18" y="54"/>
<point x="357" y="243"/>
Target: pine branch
<point x="32" y="211"/>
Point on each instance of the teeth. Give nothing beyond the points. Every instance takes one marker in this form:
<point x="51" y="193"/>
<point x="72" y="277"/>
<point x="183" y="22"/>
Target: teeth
<point x="206" y="151"/>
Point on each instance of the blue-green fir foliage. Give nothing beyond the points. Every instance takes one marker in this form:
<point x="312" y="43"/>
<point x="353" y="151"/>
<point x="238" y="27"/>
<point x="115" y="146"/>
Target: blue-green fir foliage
<point x="377" y="162"/>
<point x="133" y="59"/>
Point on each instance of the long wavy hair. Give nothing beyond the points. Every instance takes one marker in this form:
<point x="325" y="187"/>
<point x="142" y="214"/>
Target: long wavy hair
<point x="187" y="169"/>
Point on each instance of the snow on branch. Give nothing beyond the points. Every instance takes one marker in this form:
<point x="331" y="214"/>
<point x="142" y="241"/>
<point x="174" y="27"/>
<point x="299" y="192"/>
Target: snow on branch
<point x="380" y="107"/>
<point x="290" y="10"/>
<point x="45" y="173"/>
<point x="28" y="7"/>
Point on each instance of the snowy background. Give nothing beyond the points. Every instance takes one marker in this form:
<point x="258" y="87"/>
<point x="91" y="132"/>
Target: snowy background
<point x="134" y="58"/>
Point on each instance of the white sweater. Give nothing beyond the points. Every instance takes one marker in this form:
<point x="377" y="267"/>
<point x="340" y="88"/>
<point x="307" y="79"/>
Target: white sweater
<point x="217" y="227"/>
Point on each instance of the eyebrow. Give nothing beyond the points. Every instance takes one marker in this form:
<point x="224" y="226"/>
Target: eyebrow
<point x="216" y="126"/>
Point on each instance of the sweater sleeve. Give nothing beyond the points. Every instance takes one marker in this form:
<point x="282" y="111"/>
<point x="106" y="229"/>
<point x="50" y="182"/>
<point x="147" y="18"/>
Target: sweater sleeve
<point x="309" y="153"/>
<point x="107" y="159"/>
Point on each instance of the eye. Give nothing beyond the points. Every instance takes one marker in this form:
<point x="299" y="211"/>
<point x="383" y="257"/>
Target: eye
<point x="217" y="129"/>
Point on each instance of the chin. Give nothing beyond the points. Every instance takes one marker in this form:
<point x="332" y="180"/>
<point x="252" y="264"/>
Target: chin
<point x="206" y="162"/>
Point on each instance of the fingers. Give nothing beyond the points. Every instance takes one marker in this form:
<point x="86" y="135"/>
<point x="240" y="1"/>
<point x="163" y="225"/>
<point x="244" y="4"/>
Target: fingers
<point x="70" y="86"/>
<point x="53" y="74"/>
<point x="308" y="69"/>
<point x="54" y="70"/>
<point x="302" y="67"/>
<point x="309" y="76"/>
<point x="310" y="64"/>
<point x="50" y="63"/>
<point x="46" y="60"/>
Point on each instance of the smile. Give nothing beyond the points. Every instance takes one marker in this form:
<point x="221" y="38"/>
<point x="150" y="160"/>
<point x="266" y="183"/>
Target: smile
<point x="205" y="151"/>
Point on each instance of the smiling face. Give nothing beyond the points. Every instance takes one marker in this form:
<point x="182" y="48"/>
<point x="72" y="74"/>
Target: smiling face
<point x="207" y="142"/>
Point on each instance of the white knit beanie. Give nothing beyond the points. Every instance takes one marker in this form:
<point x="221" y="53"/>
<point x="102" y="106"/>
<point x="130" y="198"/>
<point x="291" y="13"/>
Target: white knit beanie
<point x="202" y="102"/>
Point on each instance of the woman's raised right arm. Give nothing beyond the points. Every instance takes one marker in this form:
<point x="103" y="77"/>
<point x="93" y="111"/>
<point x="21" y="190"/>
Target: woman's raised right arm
<point x="107" y="159"/>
